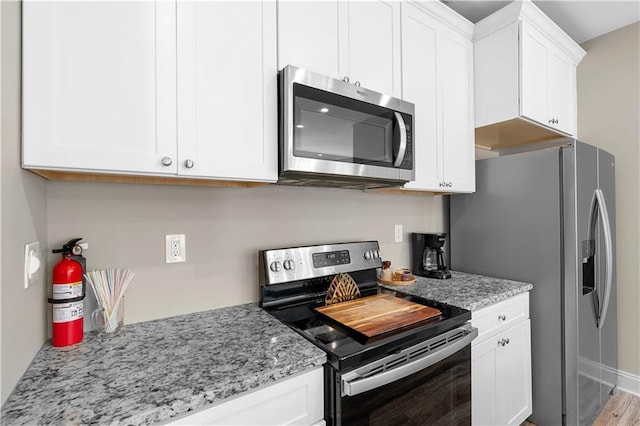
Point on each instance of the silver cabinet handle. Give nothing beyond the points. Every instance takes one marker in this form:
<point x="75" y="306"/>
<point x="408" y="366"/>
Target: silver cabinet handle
<point x="166" y="161"/>
<point x="502" y="317"/>
<point x="357" y="83"/>
<point x="403" y="140"/>
<point x="189" y="164"/>
<point x="503" y="342"/>
<point x="345" y="79"/>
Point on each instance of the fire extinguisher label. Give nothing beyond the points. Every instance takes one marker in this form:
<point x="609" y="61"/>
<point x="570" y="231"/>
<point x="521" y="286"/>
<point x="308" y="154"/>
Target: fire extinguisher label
<point x="67" y="291"/>
<point x="67" y="312"/>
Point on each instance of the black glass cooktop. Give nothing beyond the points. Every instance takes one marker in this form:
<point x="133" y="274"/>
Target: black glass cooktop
<point x="346" y="349"/>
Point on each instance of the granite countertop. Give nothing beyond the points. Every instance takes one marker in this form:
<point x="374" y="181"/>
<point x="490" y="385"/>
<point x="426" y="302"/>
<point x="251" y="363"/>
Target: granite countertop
<point x="159" y="369"/>
<point x="467" y="291"/>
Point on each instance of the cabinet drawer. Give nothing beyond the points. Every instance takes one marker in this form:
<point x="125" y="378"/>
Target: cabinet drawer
<point x="496" y="318"/>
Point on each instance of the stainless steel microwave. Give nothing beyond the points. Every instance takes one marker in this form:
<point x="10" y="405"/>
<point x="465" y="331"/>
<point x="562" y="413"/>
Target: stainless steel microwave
<point x="334" y="133"/>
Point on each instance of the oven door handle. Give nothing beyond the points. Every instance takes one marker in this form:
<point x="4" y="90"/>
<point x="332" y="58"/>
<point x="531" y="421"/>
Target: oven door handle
<point x="356" y="385"/>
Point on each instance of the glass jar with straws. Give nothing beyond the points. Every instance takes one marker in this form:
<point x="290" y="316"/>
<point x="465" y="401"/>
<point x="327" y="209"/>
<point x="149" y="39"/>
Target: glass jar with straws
<point x="109" y="286"/>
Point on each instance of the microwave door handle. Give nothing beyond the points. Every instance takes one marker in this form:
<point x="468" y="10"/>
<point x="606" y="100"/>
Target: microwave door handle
<point x="402" y="150"/>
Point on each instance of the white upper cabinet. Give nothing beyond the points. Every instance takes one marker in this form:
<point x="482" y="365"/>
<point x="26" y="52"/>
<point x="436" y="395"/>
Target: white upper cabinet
<point x="548" y="79"/>
<point x="525" y="77"/>
<point x="99" y="86"/>
<point x="227" y="90"/>
<point x="151" y="88"/>
<point x="308" y="36"/>
<point x="437" y="76"/>
<point x="355" y="39"/>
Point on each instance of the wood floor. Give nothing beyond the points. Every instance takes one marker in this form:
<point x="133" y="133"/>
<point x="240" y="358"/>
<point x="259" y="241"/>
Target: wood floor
<point x="622" y="409"/>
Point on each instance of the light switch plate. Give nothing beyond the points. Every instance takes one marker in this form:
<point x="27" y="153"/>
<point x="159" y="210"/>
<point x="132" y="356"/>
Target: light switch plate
<point x="398" y="233"/>
<point x="32" y="263"/>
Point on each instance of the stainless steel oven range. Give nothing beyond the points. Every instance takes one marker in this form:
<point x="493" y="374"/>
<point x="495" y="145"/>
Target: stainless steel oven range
<point x="417" y="374"/>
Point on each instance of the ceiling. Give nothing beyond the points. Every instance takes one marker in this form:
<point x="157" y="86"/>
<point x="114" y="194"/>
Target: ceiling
<point x="582" y="20"/>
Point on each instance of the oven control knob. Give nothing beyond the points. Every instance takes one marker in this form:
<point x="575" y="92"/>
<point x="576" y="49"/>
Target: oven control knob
<point x="367" y="255"/>
<point x="275" y="266"/>
<point x="288" y="265"/>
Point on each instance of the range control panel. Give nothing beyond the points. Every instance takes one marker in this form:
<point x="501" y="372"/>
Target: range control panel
<point x="298" y="263"/>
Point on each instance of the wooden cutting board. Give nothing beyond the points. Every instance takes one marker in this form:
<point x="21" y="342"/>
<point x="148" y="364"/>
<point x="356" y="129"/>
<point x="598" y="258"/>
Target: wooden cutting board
<point x="374" y="315"/>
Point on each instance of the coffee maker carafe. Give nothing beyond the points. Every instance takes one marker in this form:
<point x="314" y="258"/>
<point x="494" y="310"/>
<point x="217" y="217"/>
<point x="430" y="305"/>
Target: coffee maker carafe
<point x="428" y="258"/>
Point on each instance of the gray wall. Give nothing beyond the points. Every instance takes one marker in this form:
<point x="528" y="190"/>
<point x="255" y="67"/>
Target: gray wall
<point x="608" y="111"/>
<point x="23" y="207"/>
<point x="125" y="226"/>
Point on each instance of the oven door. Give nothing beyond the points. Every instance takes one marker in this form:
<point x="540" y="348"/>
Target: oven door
<point x="332" y="127"/>
<point x="429" y="383"/>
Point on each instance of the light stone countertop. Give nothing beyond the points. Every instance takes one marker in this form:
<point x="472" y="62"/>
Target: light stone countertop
<point x="467" y="291"/>
<point x="159" y="369"/>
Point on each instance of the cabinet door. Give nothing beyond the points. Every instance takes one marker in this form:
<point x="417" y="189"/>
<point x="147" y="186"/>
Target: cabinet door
<point x="562" y="92"/>
<point x="227" y="90"/>
<point x="483" y="383"/>
<point x="533" y="75"/>
<point x="308" y="36"/>
<point x="294" y="401"/>
<point x="455" y="73"/>
<point x="513" y="375"/>
<point x="373" y="40"/>
<point x="99" y="86"/>
<point x="419" y="86"/>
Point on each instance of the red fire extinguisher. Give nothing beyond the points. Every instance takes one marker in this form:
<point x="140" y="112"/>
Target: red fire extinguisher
<point x="68" y="295"/>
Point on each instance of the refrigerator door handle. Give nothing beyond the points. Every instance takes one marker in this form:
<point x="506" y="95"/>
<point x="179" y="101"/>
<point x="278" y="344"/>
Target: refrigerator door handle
<point x="599" y="207"/>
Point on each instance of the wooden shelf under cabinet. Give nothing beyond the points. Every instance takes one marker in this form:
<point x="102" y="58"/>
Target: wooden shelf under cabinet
<point x="508" y="134"/>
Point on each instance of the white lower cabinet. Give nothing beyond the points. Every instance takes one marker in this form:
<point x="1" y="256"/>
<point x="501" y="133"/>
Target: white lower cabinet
<point x="298" y="400"/>
<point x="501" y="363"/>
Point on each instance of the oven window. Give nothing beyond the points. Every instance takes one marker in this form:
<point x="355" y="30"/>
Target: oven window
<point x="332" y="127"/>
<point x="437" y="395"/>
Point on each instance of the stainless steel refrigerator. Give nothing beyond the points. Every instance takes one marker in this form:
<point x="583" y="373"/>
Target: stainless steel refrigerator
<point x="547" y="217"/>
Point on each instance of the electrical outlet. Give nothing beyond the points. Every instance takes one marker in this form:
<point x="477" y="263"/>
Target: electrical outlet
<point x="175" y="248"/>
<point x="398" y="233"/>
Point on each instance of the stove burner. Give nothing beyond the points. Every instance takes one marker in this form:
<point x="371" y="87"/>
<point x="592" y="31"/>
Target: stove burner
<point x="330" y="337"/>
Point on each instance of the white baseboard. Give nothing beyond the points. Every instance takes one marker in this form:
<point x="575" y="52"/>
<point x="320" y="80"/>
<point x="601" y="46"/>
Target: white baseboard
<point x="629" y="383"/>
<point x="626" y="382"/>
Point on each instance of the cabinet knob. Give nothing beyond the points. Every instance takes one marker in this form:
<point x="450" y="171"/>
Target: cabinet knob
<point x="357" y="83"/>
<point x="503" y="342"/>
<point x="557" y="121"/>
<point x="345" y="79"/>
<point x="188" y="164"/>
<point x="166" y="161"/>
<point x="502" y="317"/>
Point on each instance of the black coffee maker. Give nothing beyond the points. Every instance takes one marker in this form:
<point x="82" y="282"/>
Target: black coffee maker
<point x="428" y="259"/>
